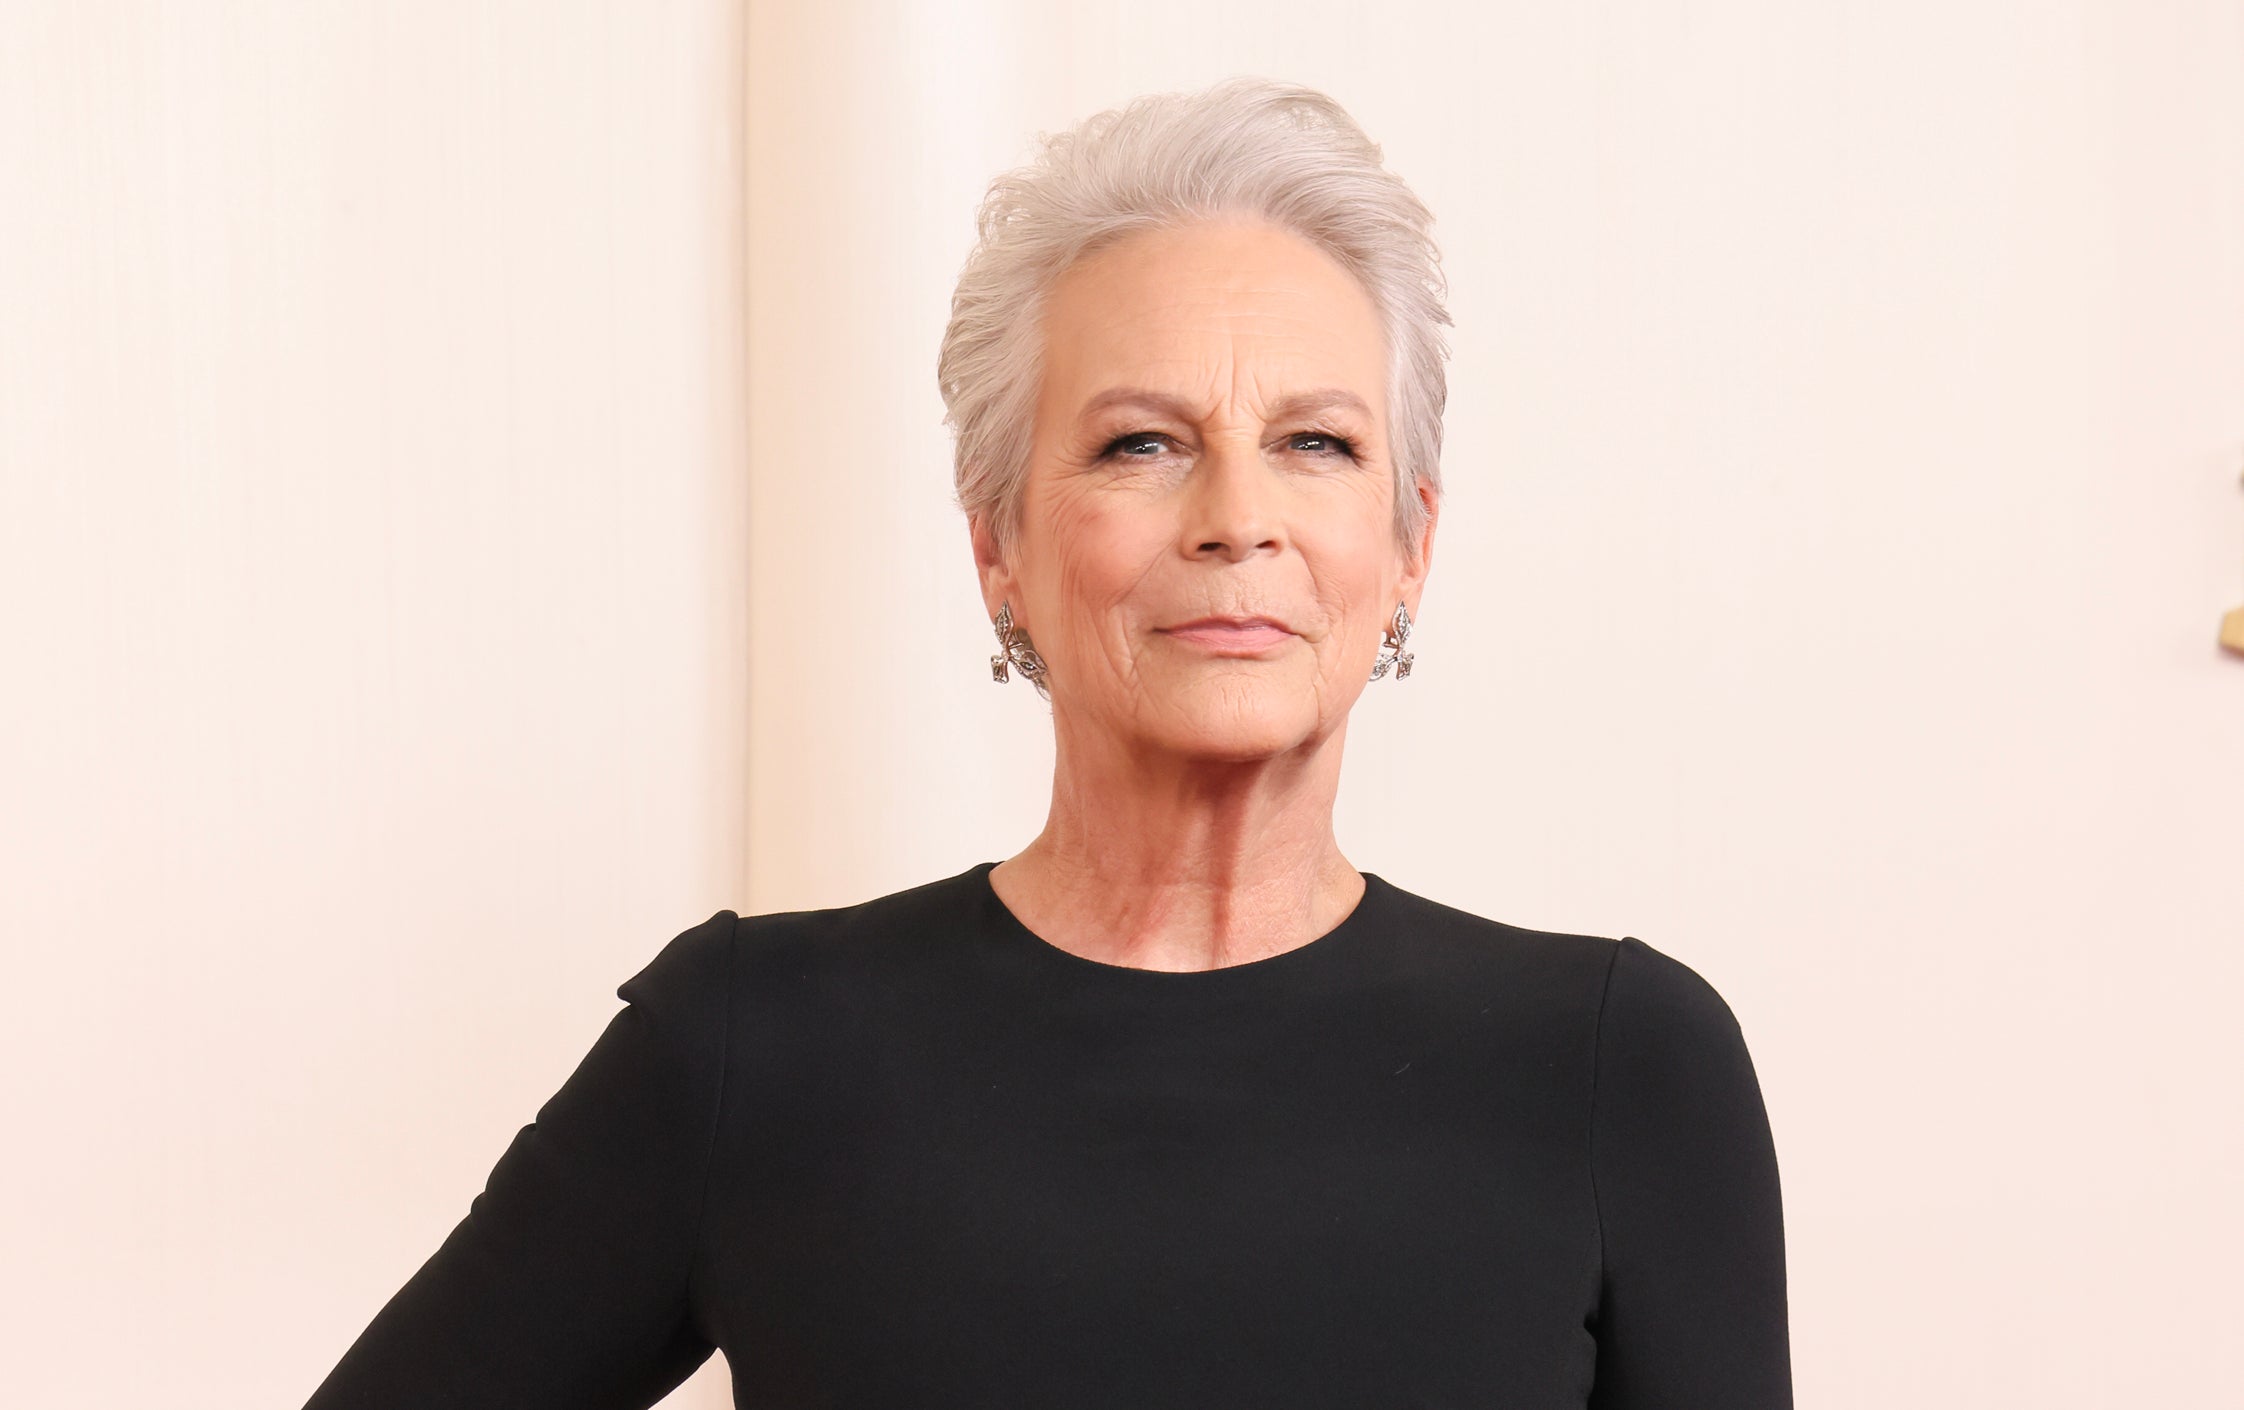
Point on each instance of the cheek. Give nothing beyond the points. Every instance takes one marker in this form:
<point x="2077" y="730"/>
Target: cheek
<point x="1100" y="556"/>
<point x="1353" y="573"/>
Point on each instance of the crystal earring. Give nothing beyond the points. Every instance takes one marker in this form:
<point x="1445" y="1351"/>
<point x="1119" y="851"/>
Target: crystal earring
<point x="1391" y="651"/>
<point x="1013" y="646"/>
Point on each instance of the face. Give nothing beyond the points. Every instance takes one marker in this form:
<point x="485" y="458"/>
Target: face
<point x="1207" y="556"/>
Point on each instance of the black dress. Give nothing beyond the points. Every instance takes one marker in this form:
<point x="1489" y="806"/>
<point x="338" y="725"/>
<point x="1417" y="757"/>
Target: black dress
<point x="906" y="1155"/>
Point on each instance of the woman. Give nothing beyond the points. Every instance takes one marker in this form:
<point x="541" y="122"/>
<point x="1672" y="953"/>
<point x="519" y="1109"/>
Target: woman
<point x="1174" y="1107"/>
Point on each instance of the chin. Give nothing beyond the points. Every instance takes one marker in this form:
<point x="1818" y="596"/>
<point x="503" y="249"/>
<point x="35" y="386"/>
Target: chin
<point x="1242" y="730"/>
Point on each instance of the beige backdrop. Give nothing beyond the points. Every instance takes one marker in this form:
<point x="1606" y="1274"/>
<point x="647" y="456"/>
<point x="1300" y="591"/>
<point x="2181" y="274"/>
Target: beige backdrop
<point x="410" y="627"/>
<point x="371" y="417"/>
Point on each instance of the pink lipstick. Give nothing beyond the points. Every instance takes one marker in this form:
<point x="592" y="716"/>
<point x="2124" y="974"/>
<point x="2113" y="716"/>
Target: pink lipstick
<point x="1230" y="636"/>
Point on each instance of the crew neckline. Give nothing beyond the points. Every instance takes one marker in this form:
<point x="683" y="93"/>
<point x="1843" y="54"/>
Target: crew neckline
<point x="1309" y="954"/>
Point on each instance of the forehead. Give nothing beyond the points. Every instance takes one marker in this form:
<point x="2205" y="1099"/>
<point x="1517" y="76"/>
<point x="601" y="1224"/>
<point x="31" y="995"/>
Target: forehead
<point x="1212" y="313"/>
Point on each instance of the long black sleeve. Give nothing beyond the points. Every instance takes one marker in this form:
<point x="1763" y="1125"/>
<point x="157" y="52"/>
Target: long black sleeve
<point x="566" y="1284"/>
<point x="909" y="1154"/>
<point x="1692" y="1307"/>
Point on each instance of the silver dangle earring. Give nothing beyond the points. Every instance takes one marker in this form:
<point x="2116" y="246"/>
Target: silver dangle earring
<point x="1391" y="651"/>
<point x="1013" y="646"/>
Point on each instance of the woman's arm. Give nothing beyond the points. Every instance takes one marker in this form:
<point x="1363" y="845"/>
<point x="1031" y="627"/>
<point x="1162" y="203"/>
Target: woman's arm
<point x="566" y="1285"/>
<point x="1692" y="1309"/>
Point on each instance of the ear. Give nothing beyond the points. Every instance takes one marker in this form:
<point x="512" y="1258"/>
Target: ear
<point x="1420" y="561"/>
<point x="998" y="583"/>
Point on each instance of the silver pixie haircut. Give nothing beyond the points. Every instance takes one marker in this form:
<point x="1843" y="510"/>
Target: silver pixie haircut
<point x="1246" y="146"/>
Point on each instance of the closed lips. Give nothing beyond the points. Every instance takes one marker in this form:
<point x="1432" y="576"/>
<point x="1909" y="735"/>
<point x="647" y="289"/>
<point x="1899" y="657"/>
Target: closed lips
<point x="1231" y="636"/>
<point x="1229" y="624"/>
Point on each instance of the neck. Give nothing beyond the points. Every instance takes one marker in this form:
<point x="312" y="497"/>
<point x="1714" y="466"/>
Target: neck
<point x="1158" y="861"/>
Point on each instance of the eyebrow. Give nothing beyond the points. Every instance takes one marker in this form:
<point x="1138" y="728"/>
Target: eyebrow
<point x="1299" y="404"/>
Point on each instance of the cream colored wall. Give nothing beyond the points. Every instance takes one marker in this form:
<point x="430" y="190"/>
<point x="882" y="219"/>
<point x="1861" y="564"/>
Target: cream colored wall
<point x="1846" y="425"/>
<point x="1844" y="445"/>
<point x="371" y="529"/>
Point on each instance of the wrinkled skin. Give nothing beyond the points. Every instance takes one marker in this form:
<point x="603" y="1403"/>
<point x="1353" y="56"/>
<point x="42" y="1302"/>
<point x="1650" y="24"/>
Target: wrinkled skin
<point x="1194" y="787"/>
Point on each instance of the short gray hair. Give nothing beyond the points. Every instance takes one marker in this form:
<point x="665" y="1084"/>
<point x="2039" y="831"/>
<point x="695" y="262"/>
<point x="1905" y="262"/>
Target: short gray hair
<point x="1280" y="151"/>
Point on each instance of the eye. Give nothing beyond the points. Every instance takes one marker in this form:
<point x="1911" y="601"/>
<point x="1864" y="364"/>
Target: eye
<point x="1134" y="445"/>
<point x="1327" y="443"/>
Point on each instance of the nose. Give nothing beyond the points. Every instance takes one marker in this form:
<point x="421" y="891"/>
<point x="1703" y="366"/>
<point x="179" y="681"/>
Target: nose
<point x="1231" y="505"/>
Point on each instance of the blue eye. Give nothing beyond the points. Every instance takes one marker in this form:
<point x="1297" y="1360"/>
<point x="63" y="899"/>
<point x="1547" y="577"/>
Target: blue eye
<point x="1114" y="446"/>
<point x="1143" y="445"/>
<point x="1338" y="444"/>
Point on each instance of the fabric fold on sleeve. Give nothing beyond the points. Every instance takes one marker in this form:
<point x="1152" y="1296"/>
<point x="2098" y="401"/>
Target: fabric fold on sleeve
<point x="566" y="1284"/>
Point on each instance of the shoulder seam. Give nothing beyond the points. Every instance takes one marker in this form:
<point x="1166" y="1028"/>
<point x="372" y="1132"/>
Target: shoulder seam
<point x="1597" y="1055"/>
<point x="717" y="1114"/>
